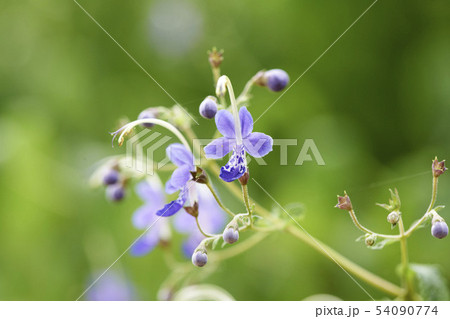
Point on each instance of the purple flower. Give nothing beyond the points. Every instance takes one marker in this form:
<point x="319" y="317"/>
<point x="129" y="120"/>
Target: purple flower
<point x="152" y="194"/>
<point x="211" y="218"/>
<point x="255" y="144"/>
<point x="111" y="287"/>
<point x="181" y="178"/>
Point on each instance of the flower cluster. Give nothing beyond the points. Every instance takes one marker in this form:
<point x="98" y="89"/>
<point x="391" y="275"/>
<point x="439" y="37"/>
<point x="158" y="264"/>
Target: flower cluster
<point x="202" y="212"/>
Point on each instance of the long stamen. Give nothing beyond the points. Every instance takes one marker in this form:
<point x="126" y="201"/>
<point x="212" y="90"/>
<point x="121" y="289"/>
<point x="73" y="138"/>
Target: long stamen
<point x="223" y="84"/>
<point x="127" y="128"/>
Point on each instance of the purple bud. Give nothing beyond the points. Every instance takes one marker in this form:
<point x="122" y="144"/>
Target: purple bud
<point x="230" y="235"/>
<point x="276" y="79"/>
<point x="208" y="108"/>
<point x="439" y="229"/>
<point x="111" y="177"/>
<point x="115" y="192"/>
<point x="147" y="114"/>
<point x="199" y="258"/>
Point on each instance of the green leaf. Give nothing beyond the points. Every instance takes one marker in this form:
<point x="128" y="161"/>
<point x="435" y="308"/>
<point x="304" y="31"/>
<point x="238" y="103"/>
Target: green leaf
<point x="430" y="283"/>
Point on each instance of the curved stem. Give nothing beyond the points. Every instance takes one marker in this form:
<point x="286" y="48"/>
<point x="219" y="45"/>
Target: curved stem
<point x="219" y="202"/>
<point x="433" y="194"/>
<point x="238" y="249"/>
<point x="248" y="86"/>
<point x="128" y="127"/>
<point x="366" y="230"/>
<point x="345" y="263"/>
<point x="247" y="202"/>
<point x="430" y="207"/>
<point x="201" y="230"/>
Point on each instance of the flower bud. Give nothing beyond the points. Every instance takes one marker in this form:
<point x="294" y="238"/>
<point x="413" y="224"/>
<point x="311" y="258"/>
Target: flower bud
<point x="344" y="203"/>
<point x="438" y="167"/>
<point x="439" y="229"/>
<point x="230" y="235"/>
<point x="149" y="113"/>
<point x="221" y="86"/>
<point x="199" y="258"/>
<point x="111" y="177"/>
<point x="276" y="79"/>
<point x="115" y="192"/>
<point x="393" y="218"/>
<point x="370" y="240"/>
<point x="208" y="108"/>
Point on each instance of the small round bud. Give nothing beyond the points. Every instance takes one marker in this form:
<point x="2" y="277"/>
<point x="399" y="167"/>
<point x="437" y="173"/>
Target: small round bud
<point x="208" y="108"/>
<point x="230" y="235"/>
<point x="115" y="192"/>
<point x="370" y="240"/>
<point x="147" y="114"/>
<point x="276" y="79"/>
<point x="439" y="229"/>
<point x="111" y="177"/>
<point x="199" y="258"/>
<point x="393" y="218"/>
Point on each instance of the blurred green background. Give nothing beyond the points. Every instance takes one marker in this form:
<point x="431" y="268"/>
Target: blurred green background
<point x="377" y="106"/>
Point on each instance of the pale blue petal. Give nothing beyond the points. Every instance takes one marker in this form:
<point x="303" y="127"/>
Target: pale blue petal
<point x="219" y="148"/>
<point x="180" y="155"/>
<point x="144" y="216"/>
<point x="225" y="123"/>
<point x="258" y="144"/>
<point x="178" y="180"/>
<point x="146" y="243"/>
<point x="150" y="193"/>
<point x="246" y="121"/>
<point x="184" y="223"/>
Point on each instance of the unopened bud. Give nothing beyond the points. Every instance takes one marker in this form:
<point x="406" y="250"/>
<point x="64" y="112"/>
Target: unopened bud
<point x="199" y="258"/>
<point x="230" y="235"/>
<point x="439" y="228"/>
<point x="393" y="218"/>
<point x="370" y="240"/>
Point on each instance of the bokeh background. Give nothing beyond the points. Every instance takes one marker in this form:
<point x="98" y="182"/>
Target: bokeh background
<point x="377" y="106"/>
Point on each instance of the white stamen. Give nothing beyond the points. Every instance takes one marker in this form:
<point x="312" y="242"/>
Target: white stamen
<point x="127" y="128"/>
<point x="223" y="84"/>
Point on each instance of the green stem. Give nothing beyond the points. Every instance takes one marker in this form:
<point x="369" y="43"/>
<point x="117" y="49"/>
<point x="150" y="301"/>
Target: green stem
<point x="219" y="202"/>
<point x="238" y="249"/>
<point x="247" y="202"/>
<point x="345" y="263"/>
<point x="405" y="262"/>
<point x="366" y="230"/>
<point x="201" y="230"/>
<point x="433" y="194"/>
